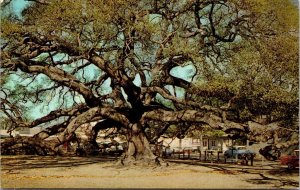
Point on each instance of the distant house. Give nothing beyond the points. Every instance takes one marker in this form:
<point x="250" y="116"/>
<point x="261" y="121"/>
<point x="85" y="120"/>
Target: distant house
<point x="24" y="132"/>
<point x="4" y="134"/>
<point x="29" y="132"/>
<point x="205" y="143"/>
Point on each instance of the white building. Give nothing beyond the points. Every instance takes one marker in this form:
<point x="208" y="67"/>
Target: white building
<point x="205" y="143"/>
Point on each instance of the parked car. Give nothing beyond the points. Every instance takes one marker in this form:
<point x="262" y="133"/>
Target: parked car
<point x="292" y="161"/>
<point x="177" y="150"/>
<point x="238" y="151"/>
<point x="167" y="151"/>
<point x="115" y="150"/>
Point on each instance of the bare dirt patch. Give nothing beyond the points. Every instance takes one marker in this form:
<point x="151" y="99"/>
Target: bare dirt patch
<point x="95" y="172"/>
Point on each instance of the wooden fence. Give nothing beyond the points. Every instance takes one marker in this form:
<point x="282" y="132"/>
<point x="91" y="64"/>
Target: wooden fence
<point x="206" y="156"/>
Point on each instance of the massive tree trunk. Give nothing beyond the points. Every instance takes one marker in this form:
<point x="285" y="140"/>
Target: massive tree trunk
<point x="139" y="151"/>
<point x="95" y="68"/>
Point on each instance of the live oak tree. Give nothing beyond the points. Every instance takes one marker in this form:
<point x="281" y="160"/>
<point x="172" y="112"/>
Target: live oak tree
<point x="143" y="66"/>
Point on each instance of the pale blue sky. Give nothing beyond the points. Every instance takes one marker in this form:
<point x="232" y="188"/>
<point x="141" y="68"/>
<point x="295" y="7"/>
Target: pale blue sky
<point x="91" y="72"/>
<point x="38" y="110"/>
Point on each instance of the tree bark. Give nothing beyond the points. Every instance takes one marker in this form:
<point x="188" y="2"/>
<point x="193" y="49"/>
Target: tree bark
<point x="139" y="151"/>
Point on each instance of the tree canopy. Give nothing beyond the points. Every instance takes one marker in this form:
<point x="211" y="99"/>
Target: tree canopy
<point x="146" y="65"/>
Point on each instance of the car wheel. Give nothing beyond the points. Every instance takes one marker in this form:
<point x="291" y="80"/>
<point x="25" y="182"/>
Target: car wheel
<point x="226" y="156"/>
<point x="247" y="156"/>
<point x="290" y="166"/>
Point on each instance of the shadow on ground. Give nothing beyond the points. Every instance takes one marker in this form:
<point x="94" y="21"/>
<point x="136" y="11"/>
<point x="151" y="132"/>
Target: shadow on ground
<point x="270" y="173"/>
<point x="34" y="162"/>
<point x="278" y="182"/>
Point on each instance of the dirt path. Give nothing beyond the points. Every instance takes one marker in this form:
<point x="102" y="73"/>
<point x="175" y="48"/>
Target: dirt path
<point x="75" y="172"/>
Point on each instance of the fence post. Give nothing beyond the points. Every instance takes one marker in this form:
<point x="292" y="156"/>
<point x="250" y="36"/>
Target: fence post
<point x="252" y="156"/>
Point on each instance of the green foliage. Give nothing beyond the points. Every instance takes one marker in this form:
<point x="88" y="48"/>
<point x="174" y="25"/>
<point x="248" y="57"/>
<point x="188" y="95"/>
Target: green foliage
<point x="259" y="67"/>
<point x="261" y="73"/>
<point x="5" y="122"/>
<point x="204" y="130"/>
<point x="215" y="133"/>
<point x="172" y="130"/>
<point x="273" y="15"/>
